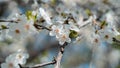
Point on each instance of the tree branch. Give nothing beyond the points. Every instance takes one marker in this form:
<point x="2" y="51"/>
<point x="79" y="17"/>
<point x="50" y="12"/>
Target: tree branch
<point x="55" y="61"/>
<point x="9" y="21"/>
<point x="38" y="26"/>
<point x="40" y="65"/>
<point x="115" y="40"/>
<point x="60" y="55"/>
<point x="84" y="25"/>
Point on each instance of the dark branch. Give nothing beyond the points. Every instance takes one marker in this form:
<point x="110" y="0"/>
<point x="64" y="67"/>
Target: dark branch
<point x="9" y="21"/>
<point x="41" y="65"/>
<point x="115" y="40"/>
<point x="4" y="28"/>
<point x="38" y="26"/>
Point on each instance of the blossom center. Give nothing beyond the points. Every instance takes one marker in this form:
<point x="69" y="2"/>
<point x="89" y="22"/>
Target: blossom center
<point x="64" y="36"/>
<point x="57" y="30"/>
<point x="10" y="65"/>
<point x="17" y="31"/>
<point x="106" y="36"/>
<point x="27" y="27"/>
<point x="96" y="40"/>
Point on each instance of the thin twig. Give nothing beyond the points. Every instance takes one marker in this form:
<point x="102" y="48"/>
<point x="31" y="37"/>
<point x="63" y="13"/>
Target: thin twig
<point x="38" y="26"/>
<point x="84" y="25"/>
<point x="40" y="65"/>
<point x="4" y="28"/>
<point x="60" y="55"/>
<point x="9" y="21"/>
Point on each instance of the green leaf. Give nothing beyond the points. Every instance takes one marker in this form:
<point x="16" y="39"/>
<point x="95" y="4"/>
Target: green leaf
<point x="89" y="13"/>
<point x="73" y="34"/>
<point x="30" y="16"/>
<point x="53" y="2"/>
<point x="116" y="45"/>
<point x="64" y="15"/>
<point x="4" y="27"/>
<point x="103" y="24"/>
<point x="117" y="37"/>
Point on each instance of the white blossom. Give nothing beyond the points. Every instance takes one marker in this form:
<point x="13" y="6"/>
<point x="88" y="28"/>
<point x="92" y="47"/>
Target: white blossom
<point x="56" y="30"/>
<point x="9" y="65"/>
<point x="45" y="16"/>
<point x="22" y="29"/>
<point x="107" y="36"/>
<point x="63" y="36"/>
<point x="73" y="27"/>
<point x="61" y="32"/>
<point x="21" y="57"/>
<point x="14" y="59"/>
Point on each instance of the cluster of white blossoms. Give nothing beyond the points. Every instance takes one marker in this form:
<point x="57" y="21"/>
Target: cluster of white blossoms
<point x="95" y="32"/>
<point x="22" y="28"/>
<point x="13" y="60"/>
<point x="61" y="32"/>
<point x="64" y="27"/>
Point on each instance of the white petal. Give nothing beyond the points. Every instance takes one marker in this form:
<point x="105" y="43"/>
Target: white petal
<point x="45" y="16"/>
<point x="61" y="42"/>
